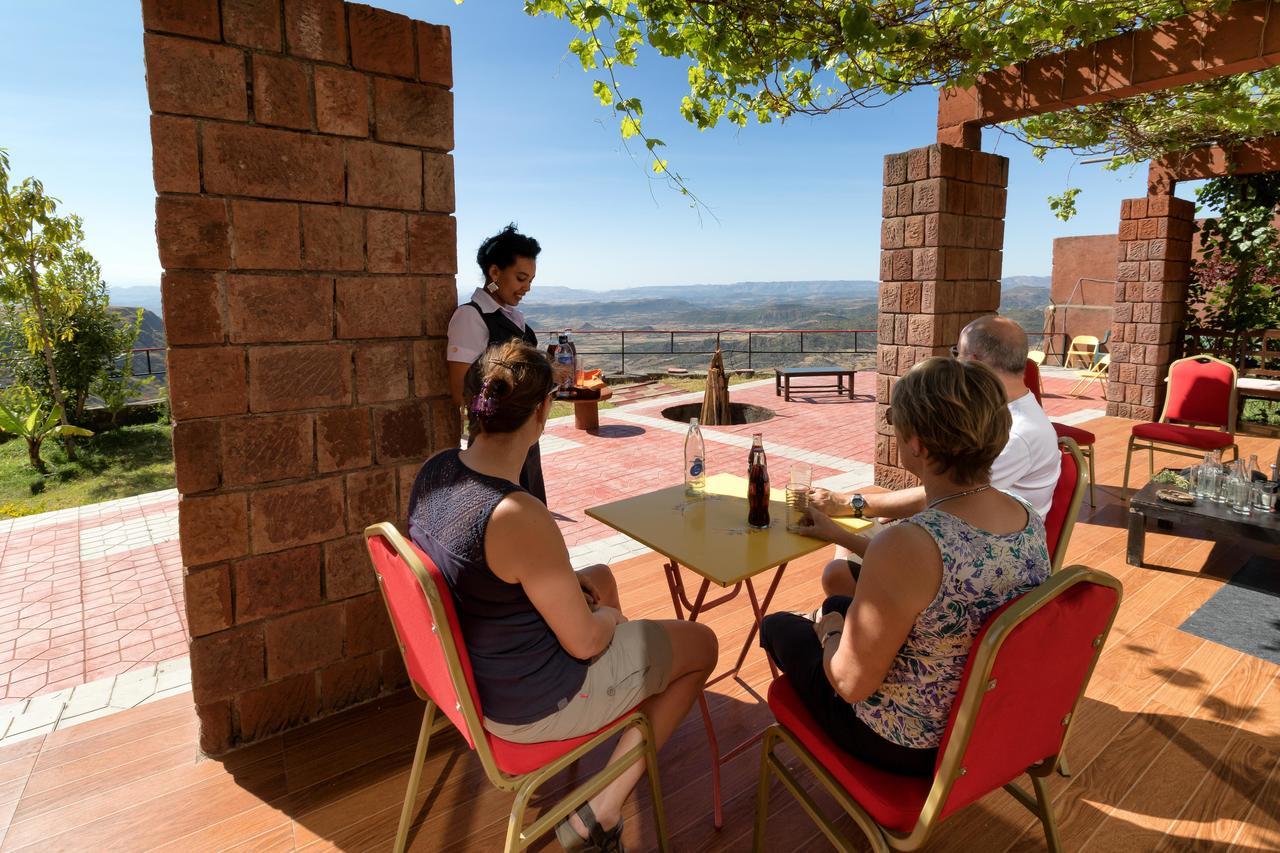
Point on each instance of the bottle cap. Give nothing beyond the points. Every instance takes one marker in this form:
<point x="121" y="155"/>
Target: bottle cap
<point x="693" y="422"/>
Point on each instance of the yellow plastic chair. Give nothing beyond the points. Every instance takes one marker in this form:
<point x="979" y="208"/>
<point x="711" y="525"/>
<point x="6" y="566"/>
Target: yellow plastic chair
<point x="1085" y="347"/>
<point x="1097" y="373"/>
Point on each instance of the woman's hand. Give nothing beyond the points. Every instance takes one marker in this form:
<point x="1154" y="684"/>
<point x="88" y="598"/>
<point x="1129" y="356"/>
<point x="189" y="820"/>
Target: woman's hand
<point x="612" y="613"/>
<point x="831" y="503"/>
<point x="818" y="525"/>
<point x="833" y="621"/>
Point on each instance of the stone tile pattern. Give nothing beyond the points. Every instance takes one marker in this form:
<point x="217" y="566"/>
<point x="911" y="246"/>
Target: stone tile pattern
<point x="1151" y="296"/>
<point x="941" y="243"/>
<point x="305" y="193"/>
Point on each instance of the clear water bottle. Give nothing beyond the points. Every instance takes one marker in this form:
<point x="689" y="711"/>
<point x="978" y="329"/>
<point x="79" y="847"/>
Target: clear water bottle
<point x="564" y="363"/>
<point x="695" y="461"/>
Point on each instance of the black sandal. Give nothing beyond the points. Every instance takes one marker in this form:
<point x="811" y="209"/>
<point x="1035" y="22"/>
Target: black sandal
<point x="598" y="840"/>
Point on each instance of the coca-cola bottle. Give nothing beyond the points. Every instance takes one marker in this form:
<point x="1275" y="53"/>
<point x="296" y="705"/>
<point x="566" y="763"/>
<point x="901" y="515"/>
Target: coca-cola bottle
<point x="757" y="484"/>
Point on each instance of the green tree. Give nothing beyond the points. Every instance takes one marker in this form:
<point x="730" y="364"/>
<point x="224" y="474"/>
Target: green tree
<point x="34" y="241"/>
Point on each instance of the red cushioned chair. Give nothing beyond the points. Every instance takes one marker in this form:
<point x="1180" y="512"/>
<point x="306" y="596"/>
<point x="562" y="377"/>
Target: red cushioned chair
<point x="1083" y="439"/>
<point x="420" y="604"/>
<point x="1011" y="716"/>
<point x="1201" y="393"/>
<point x="1031" y="378"/>
<point x="1067" y="497"/>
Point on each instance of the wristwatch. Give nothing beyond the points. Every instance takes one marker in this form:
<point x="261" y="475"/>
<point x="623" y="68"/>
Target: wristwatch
<point x="857" y="503"/>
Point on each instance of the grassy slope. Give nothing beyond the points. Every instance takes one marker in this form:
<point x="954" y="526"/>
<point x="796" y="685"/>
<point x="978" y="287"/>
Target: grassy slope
<point x="121" y="463"/>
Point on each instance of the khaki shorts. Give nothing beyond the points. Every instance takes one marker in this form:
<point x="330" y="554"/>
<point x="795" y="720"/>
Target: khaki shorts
<point x="636" y="665"/>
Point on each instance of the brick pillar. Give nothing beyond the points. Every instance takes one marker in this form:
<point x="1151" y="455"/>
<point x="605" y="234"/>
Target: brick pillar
<point x="940" y="260"/>
<point x="1151" y="297"/>
<point x="303" y="221"/>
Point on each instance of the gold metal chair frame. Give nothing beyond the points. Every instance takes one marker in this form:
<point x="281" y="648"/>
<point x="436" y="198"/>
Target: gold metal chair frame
<point x="1151" y="445"/>
<point x="1093" y="373"/>
<point x="524" y="785"/>
<point x="1073" y="510"/>
<point x="1087" y="355"/>
<point x="976" y="688"/>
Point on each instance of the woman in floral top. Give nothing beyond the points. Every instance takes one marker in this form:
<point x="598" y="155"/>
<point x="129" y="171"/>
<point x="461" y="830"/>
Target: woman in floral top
<point x="879" y="671"/>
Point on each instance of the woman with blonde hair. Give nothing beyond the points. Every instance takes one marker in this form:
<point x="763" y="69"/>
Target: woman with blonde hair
<point x="552" y="654"/>
<point x="879" y="671"/>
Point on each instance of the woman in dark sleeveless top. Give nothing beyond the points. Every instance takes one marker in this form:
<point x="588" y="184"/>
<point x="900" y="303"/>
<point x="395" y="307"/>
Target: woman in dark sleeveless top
<point x="508" y="261"/>
<point x="552" y="654"/>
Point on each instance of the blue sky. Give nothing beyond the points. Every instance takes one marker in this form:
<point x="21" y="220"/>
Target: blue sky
<point x="791" y="201"/>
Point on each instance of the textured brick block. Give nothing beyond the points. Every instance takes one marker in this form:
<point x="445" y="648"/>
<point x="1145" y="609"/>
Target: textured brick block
<point x="348" y="570"/>
<point x="929" y="196"/>
<point x="196" y="79"/>
<point x="342" y="101"/>
<point x="1136" y="251"/>
<point x="889" y="201"/>
<point x="384" y="176"/>
<point x="913" y="232"/>
<point x="918" y="164"/>
<point x="265" y="235"/>
<point x="381" y="41"/>
<point x="213" y="528"/>
<point x="901" y="259"/>
<point x="911" y="294"/>
<point x="208" y="596"/>
<point x="316" y="29"/>
<point x="281" y="92"/>
<point x="890" y="297"/>
<point x="1128" y="230"/>
<point x="891" y="233"/>
<point x="924" y="263"/>
<point x="402" y="433"/>
<point x="408" y="476"/>
<point x="437" y="182"/>
<point x="332" y="238"/>
<point x="207" y="381"/>
<point x="198" y="18"/>
<point x="344" y="439"/>
<point x="379" y="307"/>
<point x="435" y="54"/>
<point x="302" y="514"/>
<point x="226" y="663"/>
<point x="277" y="707"/>
<point x="430" y="369"/>
<point x="387" y="240"/>
<point x="895" y="169"/>
<point x="197" y="455"/>
<point x="262" y="449"/>
<point x="923" y="330"/>
<point x="1147" y="229"/>
<point x="299" y="377"/>
<point x="367" y="624"/>
<point x="348" y="682"/>
<point x="192" y="307"/>
<point x="1142" y="312"/>
<point x="382" y="372"/>
<point x="1127" y="271"/>
<point x="279" y="583"/>
<point x="413" y="113"/>
<point x="175" y="158"/>
<point x="446" y="427"/>
<point x="371" y="497"/>
<point x="433" y="244"/>
<point x="942" y="161"/>
<point x="279" y="309"/>
<point x="252" y="23"/>
<point x="305" y="641"/>
<point x="269" y="163"/>
<point x="192" y="233"/>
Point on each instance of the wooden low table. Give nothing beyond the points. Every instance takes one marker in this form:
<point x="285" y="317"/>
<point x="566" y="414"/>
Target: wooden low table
<point x="586" y="413"/>
<point x="1221" y="522"/>
<point x="782" y="381"/>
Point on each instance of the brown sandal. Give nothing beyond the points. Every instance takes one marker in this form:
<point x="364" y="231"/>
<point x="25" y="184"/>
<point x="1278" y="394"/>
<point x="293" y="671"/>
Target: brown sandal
<point x="598" y="840"/>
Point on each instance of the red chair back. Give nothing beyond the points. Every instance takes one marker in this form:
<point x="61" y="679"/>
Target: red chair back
<point x="1031" y="378"/>
<point x="421" y="607"/>
<point x="1012" y="711"/>
<point x="1202" y="391"/>
<point x="1067" y="495"/>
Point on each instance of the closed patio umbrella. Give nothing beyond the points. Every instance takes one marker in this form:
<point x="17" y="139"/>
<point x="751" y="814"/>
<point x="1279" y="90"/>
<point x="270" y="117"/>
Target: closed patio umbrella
<point x="715" y="400"/>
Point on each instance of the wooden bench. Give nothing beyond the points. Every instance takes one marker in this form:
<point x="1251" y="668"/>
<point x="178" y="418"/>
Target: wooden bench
<point x="782" y="381"/>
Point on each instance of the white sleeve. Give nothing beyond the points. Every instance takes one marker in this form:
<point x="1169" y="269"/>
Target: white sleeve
<point x="468" y="335"/>
<point x="1012" y="464"/>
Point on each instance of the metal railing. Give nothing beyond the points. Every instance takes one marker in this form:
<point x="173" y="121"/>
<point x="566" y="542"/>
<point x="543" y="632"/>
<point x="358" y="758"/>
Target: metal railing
<point x="749" y="348"/>
<point x="153" y="361"/>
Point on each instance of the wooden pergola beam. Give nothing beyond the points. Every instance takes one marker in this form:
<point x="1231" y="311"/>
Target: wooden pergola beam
<point x="1257" y="156"/>
<point x="1189" y="49"/>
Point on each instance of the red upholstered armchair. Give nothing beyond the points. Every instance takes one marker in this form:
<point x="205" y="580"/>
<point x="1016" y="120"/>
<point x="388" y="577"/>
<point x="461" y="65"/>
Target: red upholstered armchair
<point x="1084" y="440"/>
<point x="1068" y="494"/>
<point x="1011" y="716"/>
<point x="1201" y="393"/>
<point x="420" y="605"/>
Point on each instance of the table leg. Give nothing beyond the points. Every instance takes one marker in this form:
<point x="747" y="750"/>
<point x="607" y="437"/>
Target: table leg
<point x="1137" y="537"/>
<point x="760" y="609"/>
<point x="853" y="384"/>
<point x="777" y="384"/>
<point x="786" y="389"/>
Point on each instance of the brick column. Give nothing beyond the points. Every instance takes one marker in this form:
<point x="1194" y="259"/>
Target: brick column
<point x="940" y="261"/>
<point x="1151" y="295"/>
<point x="304" y="227"/>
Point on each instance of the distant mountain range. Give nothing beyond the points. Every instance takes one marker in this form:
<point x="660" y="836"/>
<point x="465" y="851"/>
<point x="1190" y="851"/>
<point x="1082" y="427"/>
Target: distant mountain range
<point x="138" y="296"/>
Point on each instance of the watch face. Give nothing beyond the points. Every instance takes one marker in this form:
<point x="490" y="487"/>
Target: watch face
<point x="857" y="501"/>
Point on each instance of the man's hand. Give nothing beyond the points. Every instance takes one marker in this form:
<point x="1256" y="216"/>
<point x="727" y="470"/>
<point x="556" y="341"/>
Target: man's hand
<point x="830" y="503"/>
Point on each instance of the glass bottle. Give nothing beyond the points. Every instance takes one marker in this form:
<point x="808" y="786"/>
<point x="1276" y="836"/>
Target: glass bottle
<point x="695" y="456"/>
<point x="757" y="484"/>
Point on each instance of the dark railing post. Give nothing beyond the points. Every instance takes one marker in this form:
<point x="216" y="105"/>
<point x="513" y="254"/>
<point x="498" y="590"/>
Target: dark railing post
<point x="624" y="353"/>
<point x="749" y="339"/>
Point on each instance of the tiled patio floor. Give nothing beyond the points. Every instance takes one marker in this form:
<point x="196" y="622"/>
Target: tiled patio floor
<point x="90" y="593"/>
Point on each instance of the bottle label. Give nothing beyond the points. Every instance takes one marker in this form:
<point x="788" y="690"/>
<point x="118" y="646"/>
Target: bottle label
<point x="695" y="470"/>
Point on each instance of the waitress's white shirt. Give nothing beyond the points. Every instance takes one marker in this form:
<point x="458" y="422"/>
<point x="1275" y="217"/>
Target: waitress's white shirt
<point x="468" y="335"/>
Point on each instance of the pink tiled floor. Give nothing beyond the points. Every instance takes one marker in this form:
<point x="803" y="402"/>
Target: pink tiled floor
<point x="90" y="593"/>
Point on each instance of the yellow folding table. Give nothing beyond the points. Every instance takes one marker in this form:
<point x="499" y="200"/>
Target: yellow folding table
<point x="709" y="536"/>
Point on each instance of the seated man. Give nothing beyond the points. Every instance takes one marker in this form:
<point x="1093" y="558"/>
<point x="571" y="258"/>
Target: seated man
<point x="1027" y="467"/>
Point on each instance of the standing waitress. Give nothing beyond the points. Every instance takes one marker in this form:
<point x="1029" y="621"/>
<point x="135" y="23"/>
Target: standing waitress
<point x="508" y="262"/>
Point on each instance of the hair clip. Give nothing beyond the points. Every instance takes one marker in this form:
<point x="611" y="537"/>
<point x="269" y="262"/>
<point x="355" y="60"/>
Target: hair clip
<point x="484" y="405"/>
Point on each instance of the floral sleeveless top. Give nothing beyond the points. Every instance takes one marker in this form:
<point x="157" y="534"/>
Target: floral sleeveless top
<point x="980" y="572"/>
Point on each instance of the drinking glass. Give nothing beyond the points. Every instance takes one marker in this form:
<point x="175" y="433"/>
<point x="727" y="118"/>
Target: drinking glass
<point x="1241" y="491"/>
<point x="798" y="495"/>
<point x="1192" y="476"/>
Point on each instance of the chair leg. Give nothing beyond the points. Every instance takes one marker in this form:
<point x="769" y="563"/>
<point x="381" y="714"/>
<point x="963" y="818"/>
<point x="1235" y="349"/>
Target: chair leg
<point x="1128" y="458"/>
<point x="1063" y="770"/>
<point x="762" y="793"/>
<point x="415" y="776"/>
<point x="1151" y="461"/>
<point x="1047" y="817"/>
<point x="655" y="789"/>
<point x="1092" y="478"/>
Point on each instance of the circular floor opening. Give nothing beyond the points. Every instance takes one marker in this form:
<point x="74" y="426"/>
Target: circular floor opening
<point x="741" y="413"/>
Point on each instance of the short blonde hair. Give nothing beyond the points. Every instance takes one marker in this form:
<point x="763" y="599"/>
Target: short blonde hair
<point x="959" y="413"/>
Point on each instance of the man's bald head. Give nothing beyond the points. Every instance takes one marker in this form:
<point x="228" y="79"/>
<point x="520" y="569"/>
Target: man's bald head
<point x="997" y="342"/>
